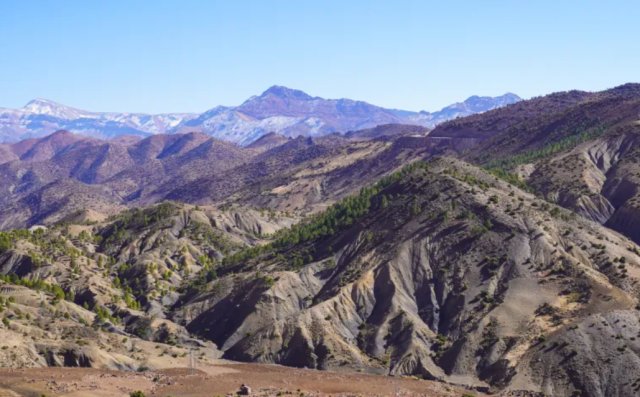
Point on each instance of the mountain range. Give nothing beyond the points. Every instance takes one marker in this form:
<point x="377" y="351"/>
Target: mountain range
<point x="497" y="252"/>
<point x="279" y="109"/>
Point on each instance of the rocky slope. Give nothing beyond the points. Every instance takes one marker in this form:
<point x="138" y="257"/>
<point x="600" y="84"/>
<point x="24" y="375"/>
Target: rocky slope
<point x="372" y="251"/>
<point x="578" y="149"/>
<point x="100" y="293"/>
<point x="440" y="271"/>
<point x="443" y="272"/>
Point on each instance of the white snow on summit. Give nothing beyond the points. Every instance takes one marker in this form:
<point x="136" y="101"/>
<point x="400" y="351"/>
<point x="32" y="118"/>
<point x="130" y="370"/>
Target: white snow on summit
<point x="279" y="109"/>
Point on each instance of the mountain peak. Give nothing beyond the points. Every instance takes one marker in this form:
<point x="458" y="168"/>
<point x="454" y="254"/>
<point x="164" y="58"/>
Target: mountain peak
<point x="507" y="96"/>
<point x="50" y="108"/>
<point x="284" y="92"/>
<point x="60" y="133"/>
<point x="40" y="102"/>
<point x="479" y="104"/>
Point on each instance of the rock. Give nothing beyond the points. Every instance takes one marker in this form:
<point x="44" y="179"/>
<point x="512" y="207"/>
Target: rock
<point x="244" y="390"/>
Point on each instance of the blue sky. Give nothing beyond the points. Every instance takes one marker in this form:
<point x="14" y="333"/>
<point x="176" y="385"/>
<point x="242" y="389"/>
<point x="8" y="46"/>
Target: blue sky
<point x="170" y="56"/>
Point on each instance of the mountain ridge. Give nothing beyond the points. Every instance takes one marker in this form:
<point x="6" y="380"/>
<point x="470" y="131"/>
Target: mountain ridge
<point x="279" y="109"/>
<point x="496" y="251"/>
<point x="432" y="271"/>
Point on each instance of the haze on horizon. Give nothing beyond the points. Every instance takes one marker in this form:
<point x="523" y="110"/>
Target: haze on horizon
<point x="161" y="56"/>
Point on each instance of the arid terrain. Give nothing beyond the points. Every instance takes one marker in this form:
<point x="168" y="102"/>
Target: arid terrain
<point x="496" y="254"/>
<point x="216" y="379"/>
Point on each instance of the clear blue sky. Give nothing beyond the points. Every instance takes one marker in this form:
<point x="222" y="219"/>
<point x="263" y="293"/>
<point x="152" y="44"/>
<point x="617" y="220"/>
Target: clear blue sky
<point x="169" y="56"/>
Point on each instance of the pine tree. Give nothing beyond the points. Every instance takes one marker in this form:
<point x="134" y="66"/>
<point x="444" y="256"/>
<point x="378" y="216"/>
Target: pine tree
<point x="385" y="202"/>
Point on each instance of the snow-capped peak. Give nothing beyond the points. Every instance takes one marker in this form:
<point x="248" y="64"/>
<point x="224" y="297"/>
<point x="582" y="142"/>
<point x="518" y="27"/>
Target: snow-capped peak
<point x="283" y="110"/>
<point x="50" y="108"/>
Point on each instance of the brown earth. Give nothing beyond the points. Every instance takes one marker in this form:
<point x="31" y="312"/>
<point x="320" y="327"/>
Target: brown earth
<point x="219" y="379"/>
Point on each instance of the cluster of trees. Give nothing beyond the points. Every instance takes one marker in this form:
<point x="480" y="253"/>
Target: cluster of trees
<point x="204" y="277"/>
<point x="576" y="137"/>
<point x="85" y="236"/>
<point x="510" y="178"/>
<point x="129" y="297"/>
<point x="498" y="172"/>
<point x="461" y="176"/>
<point x="37" y="285"/>
<point x="136" y="218"/>
<point x="5" y="241"/>
<point x="204" y="234"/>
<point x="130" y="300"/>
<point x="337" y="217"/>
<point x="103" y="314"/>
<point x="8" y="238"/>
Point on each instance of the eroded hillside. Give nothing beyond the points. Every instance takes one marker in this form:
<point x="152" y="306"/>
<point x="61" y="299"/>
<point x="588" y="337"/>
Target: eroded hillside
<point x="102" y="293"/>
<point x="577" y="149"/>
<point x="365" y="252"/>
<point x="441" y="271"/>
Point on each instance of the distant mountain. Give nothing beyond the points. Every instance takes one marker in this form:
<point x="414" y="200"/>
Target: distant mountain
<point x="286" y="111"/>
<point x="42" y="117"/>
<point x="473" y="105"/>
<point x="292" y="113"/>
